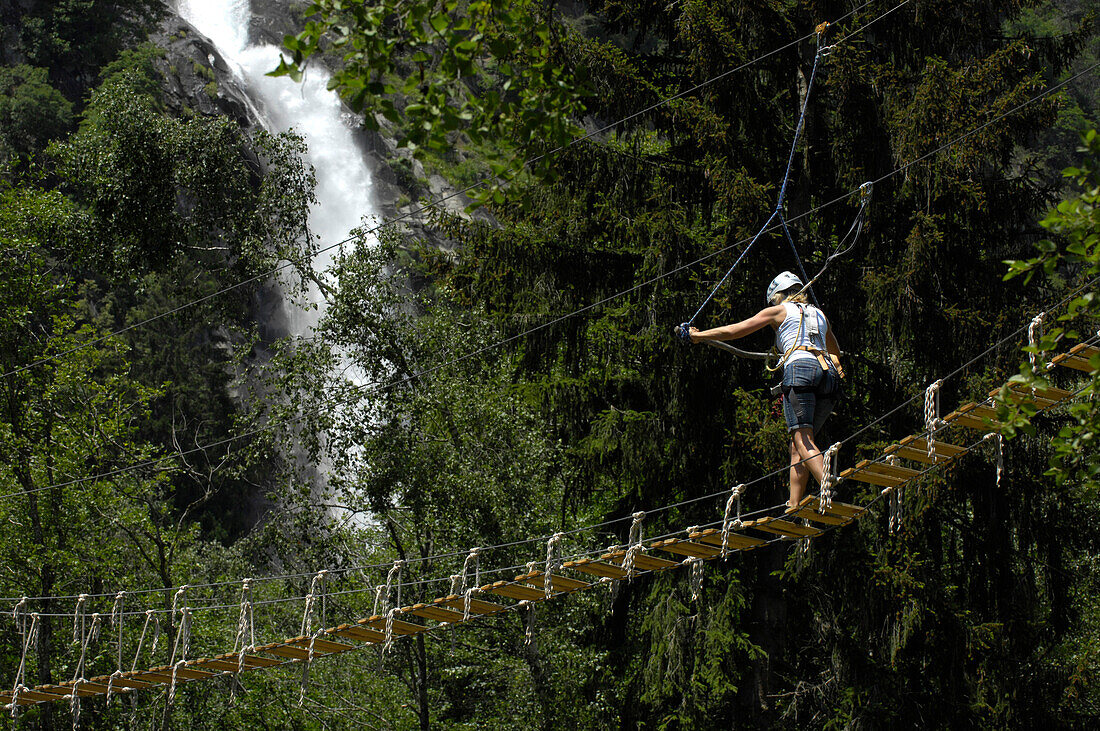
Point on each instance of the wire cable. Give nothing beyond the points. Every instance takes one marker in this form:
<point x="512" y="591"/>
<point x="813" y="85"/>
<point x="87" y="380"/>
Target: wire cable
<point x="435" y="204"/>
<point x="395" y="383"/>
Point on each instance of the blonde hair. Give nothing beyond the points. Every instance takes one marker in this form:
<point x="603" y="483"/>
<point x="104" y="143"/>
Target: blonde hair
<point x="800" y="298"/>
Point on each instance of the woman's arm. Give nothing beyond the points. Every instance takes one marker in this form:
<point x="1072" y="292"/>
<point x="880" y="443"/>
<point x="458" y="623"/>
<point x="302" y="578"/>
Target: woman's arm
<point x="768" y="316"/>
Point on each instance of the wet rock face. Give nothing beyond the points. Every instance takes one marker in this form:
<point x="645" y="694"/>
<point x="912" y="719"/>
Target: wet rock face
<point x="274" y="19"/>
<point x="196" y="78"/>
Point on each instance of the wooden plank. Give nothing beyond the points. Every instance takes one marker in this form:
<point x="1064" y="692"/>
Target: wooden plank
<point x="862" y="475"/>
<point x="595" y="568"/>
<point x="477" y="606"/>
<point x="1056" y="395"/>
<point x="400" y="627"/>
<point x="837" y="508"/>
<point x="327" y="647"/>
<point x="1017" y="397"/>
<point x="942" y="447"/>
<point x="687" y="548"/>
<point x="186" y="673"/>
<point x="36" y="695"/>
<point x="1077" y="364"/>
<point x="521" y="592"/>
<point x="155" y="676"/>
<point x="250" y="661"/>
<point x="823" y="518"/>
<point x="970" y="422"/>
<point x="1084" y="350"/>
<point x="439" y="614"/>
<point x="981" y="411"/>
<point x="358" y="633"/>
<point x="735" y="541"/>
<point x="557" y="582"/>
<point x="782" y="527"/>
<point x="86" y="689"/>
<point x="888" y="470"/>
<point x="642" y="561"/>
<point x="214" y="664"/>
<point x="917" y="455"/>
<point x="129" y="681"/>
<point x="288" y="651"/>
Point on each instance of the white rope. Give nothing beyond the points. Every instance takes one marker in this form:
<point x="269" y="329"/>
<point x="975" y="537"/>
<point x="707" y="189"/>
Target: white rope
<point x="394" y="573"/>
<point x="932" y="420"/>
<point x="30" y="636"/>
<point x="829" y="478"/>
<point x="79" y="625"/>
<point x="182" y="640"/>
<point x="316" y="590"/>
<point x="467" y="597"/>
<point x="246" y="625"/>
<point x="78" y="617"/>
<point x="377" y="600"/>
<point x="735" y="524"/>
<point x="696" y="564"/>
<point x="1034" y="335"/>
<point x="467" y="592"/>
<point x="150" y="617"/>
<point x="635" y="543"/>
<point x="472" y="560"/>
<point x="1000" y="452"/>
<point x="116" y="623"/>
<point x="529" y="633"/>
<point x="86" y="638"/>
<point x="553" y="560"/>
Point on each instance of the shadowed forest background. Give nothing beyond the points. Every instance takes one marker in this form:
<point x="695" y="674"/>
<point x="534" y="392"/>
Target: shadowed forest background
<point x="444" y="403"/>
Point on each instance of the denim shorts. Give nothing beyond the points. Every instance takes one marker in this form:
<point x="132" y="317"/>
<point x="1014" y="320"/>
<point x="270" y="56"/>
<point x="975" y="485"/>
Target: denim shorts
<point x="808" y="394"/>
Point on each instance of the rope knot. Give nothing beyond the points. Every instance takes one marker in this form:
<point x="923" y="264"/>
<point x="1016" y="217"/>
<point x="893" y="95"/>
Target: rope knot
<point x="728" y="522"/>
<point x="553" y="560"/>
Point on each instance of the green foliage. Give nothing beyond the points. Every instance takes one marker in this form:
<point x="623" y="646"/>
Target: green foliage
<point x="1073" y="255"/>
<point x="73" y="37"/>
<point x="481" y="69"/>
<point x="32" y="113"/>
<point x="158" y="187"/>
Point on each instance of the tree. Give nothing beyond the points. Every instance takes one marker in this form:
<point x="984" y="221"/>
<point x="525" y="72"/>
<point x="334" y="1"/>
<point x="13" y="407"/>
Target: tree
<point x="1072" y="256"/>
<point x="445" y="71"/>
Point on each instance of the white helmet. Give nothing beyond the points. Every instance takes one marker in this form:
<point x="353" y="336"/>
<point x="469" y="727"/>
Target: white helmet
<point x="782" y="283"/>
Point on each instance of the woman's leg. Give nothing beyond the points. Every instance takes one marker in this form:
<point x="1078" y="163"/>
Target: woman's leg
<point x="799" y="476"/>
<point x="802" y="445"/>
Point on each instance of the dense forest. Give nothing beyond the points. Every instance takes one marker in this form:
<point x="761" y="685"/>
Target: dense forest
<point x="181" y="477"/>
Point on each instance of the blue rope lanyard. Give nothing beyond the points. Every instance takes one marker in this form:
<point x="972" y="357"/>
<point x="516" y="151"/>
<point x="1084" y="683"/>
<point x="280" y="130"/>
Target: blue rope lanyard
<point x="778" y="212"/>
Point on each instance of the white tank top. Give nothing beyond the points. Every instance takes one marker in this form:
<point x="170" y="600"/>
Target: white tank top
<point x="813" y="329"/>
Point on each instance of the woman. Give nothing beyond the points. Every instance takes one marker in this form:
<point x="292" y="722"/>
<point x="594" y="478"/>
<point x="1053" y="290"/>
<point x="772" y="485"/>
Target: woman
<point x="811" y="370"/>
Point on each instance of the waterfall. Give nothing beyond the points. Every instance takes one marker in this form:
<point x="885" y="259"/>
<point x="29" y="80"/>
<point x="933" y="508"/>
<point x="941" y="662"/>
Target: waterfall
<point x="344" y="195"/>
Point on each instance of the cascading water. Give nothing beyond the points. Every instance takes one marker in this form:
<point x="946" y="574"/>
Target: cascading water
<point x="343" y="192"/>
